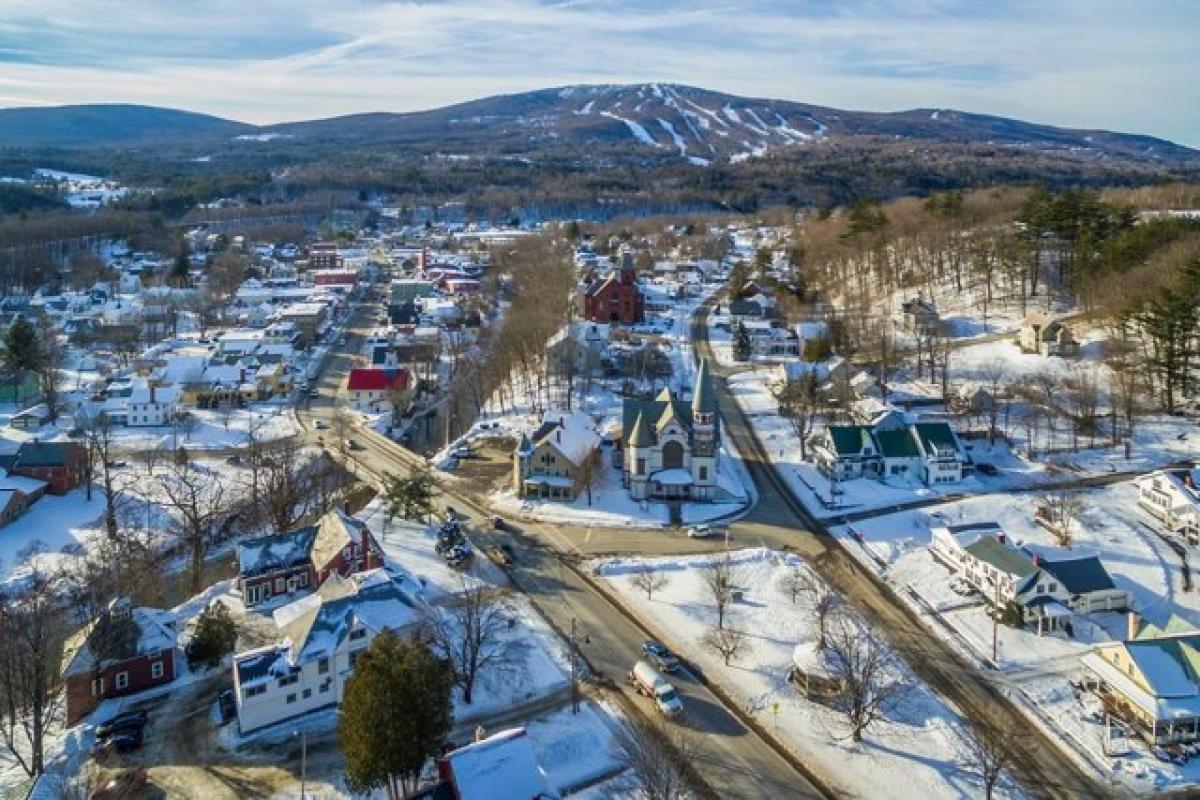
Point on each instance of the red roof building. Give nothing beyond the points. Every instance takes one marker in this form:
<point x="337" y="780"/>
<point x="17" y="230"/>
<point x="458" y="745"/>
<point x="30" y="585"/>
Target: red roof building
<point x="335" y="277"/>
<point x="368" y="386"/>
<point x="617" y="298"/>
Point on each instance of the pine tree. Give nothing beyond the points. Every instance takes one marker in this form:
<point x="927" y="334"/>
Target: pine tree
<point x="742" y="346"/>
<point x="22" y="349"/>
<point x="214" y="637"/>
<point x="410" y="497"/>
<point x="395" y="715"/>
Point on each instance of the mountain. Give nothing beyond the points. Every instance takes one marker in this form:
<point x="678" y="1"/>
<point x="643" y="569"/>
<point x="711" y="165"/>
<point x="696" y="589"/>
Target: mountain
<point x="702" y="126"/>
<point x="108" y="125"/>
<point x="648" y="121"/>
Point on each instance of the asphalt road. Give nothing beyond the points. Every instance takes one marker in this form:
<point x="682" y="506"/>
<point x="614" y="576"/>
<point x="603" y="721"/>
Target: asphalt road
<point x="730" y="757"/>
<point x="779" y="520"/>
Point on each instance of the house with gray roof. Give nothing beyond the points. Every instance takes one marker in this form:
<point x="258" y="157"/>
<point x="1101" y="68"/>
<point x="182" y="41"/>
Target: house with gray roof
<point x="321" y="637"/>
<point x="1049" y="585"/>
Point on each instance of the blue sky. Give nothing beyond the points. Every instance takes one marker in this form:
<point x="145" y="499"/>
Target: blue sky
<point x="1132" y="66"/>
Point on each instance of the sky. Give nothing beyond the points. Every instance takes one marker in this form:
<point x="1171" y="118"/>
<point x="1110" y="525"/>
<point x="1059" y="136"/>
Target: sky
<point x="1123" y="65"/>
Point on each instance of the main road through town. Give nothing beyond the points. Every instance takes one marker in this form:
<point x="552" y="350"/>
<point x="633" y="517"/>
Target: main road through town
<point x="731" y="758"/>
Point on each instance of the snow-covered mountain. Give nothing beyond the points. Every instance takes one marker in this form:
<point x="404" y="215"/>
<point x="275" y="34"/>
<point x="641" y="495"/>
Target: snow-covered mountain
<point x="653" y="121"/>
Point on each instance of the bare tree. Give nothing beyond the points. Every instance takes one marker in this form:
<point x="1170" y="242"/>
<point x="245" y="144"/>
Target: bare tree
<point x="799" y="404"/>
<point x="792" y="582"/>
<point x="30" y="635"/>
<point x="469" y="632"/>
<point x="1058" y="511"/>
<point x="49" y="363"/>
<point x="97" y="432"/>
<point x="720" y="580"/>
<point x="659" y="757"/>
<point x="201" y="510"/>
<point x="994" y="374"/>
<point x="868" y="672"/>
<point x="987" y="752"/>
<point x="729" y="642"/>
<point x="649" y="580"/>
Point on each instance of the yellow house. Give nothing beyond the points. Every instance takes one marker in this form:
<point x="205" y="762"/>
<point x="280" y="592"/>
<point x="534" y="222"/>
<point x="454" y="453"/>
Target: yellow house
<point x="558" y="459"/>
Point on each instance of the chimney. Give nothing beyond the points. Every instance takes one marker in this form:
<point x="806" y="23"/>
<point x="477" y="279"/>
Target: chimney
<point x="1131" y="625"/>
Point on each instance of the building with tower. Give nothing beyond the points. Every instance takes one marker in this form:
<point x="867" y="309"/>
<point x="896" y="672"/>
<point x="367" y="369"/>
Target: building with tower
<point x="670" y="446"/>
<point x="617" y="298"/>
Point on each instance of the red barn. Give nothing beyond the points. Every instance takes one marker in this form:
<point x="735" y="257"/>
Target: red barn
<point x="617" y="298"/>
<point x="302" y="559"/>
<point x="123" y="651"/>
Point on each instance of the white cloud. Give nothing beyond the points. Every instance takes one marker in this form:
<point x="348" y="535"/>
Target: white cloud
<point x="1122" y="65"/>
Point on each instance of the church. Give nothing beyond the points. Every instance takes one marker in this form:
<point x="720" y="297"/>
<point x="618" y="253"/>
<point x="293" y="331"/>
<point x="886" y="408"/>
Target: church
<point x="669" y="446"/>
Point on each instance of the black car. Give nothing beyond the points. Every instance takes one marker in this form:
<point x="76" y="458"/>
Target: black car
<point x="126" y="741"/>
<point x="660" y="656"/>
<point x="127" y="721"/>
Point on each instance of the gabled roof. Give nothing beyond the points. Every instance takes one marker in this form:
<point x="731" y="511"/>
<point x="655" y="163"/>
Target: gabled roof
<point x="120" y="633"/>
<point x="896" y="443"/>
<point x="573" y="434"/>
<point x="373" y="379"/>
<point x="500" y="767"/>
<point x="335" y="531"/>
<point x="992" y="551"/>
<point x="1080" y="575"/>
<point x="326" y="617"/>
<point x="640" y="435"/>
<point x="935" y="437"/>
<point x="279" y="551"/>
<point x="45" y="454"/>
<point x="849" y="439"/>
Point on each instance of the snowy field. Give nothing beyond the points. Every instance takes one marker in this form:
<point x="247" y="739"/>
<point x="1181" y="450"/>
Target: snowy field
<point x="917" y="744"/>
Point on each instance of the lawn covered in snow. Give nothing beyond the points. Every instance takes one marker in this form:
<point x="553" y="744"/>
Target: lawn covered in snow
<point x="919" y="742"/>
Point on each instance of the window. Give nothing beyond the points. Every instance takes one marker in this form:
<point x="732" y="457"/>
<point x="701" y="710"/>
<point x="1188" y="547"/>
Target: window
<point x="307" y="693"/>
<point x="703" y="473"/>
<point x="252" y="691"/>
<point x="97" y="687"/>
<point x="291" y="698"/>
<point x="323" y="666"/>
<point x="324" y="687"/>
<point x="156" y="669"/>
<point x="357" y="634"/>
<point x="354" y="657"/>
<point x="641" y="467"/>
<point x="288" y="680"/>
<point x="280" y="586"/>
<point x="122" y="680"/>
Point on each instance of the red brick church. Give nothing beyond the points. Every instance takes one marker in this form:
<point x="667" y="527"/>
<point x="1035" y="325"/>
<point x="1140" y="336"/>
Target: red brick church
<point x="616" y="298"/>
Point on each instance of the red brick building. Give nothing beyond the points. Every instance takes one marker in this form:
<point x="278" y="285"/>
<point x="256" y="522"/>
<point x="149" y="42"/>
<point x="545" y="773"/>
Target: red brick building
<point x="616" y="298"/>
<point x="302" y="559"/>
<point x="124" y="651"/>
<point x="59" y="464"/>
<point x="324" y="255"/>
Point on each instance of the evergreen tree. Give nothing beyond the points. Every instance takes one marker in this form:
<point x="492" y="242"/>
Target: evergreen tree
<point x="395" y="715"/>
<point x="22" y="349"/>
<point x="181" y="269"/>
<point x="410" y="497"/>
<point x="742" y="347"/>
<point x="214" y="637"/>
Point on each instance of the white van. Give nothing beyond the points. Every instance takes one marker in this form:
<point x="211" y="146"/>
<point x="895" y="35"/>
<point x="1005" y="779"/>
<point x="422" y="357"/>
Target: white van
<point x="648" y="682"/>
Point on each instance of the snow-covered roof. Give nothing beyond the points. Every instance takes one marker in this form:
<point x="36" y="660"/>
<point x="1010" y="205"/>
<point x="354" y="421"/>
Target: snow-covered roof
<point x="120" y="633"/>
<point x="500" y="767"/>
<point x="673" y="477"/>
<point x="572" y="433"/>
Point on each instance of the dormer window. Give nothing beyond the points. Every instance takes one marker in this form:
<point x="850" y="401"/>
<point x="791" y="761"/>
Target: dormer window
<point x="357" y="634"/>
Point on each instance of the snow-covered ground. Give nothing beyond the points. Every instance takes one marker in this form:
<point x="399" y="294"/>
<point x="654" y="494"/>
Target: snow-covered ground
<point x="918" y="744"/>
<point x="1038" y="668"/>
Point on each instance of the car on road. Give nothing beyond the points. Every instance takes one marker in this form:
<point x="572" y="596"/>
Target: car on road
<point x="128" y="720"/>
<point x="353" y="444"/>
<point x="127" y="741"/>
<point x="498" y="523"/>
<point x="321" y="425"/>
<point x="706" y="531"/>
<point x="463" y="453"/>
<point x="660" y="655"/>
<point x="647" y="681"/>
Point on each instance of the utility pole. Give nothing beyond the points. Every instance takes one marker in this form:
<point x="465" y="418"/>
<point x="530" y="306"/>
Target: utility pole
<point x="303" y="764"/>
<point x="574" y="672"/>
<point x="996" y="625"/>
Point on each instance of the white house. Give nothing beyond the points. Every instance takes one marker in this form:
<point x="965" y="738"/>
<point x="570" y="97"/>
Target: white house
<point x="1048" y="585"/>
<point x="142" y="405"/>
<point x="322" y="635"/>
<point x="1173" y="497"/>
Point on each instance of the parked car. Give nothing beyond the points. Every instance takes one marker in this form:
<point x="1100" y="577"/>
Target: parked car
<point x="321" y="425"/>
<point x="648" y="682"/>
<point x="704" y="531"/>
<point x="498" y="523"/>
<point x="463" y="453"/>
<point x="234" y="459"/>
<point x="127" y="741"/>
<point x="353" y="444"/>
<point x="128" y="720"/>
<point x="985" y="468"/>
<point x="660" y="655"/>
<point x="501" y="555"/>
